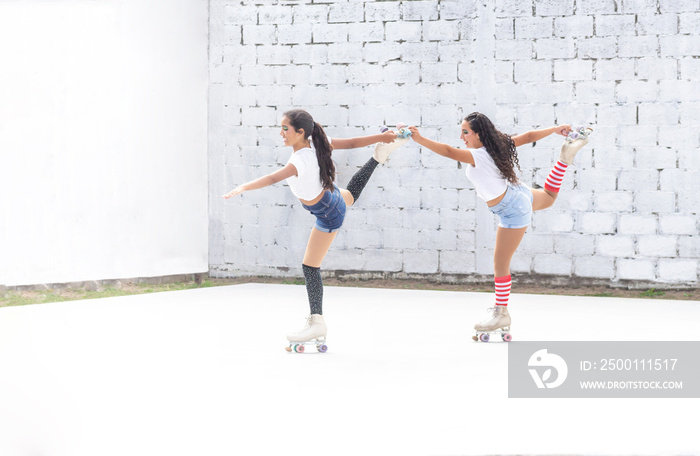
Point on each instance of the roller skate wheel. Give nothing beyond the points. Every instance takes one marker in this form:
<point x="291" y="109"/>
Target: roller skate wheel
<point x="579" y="133"/>
<point x="484" y="337"/>
<point x="322" y="348"/>
<point x="299" y="348"/>
<point x="507" y="337"/>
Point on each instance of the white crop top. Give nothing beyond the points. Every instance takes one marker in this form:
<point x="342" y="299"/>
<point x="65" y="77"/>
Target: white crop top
<point x="485" y="175"/>
<point x="306" y="184"/>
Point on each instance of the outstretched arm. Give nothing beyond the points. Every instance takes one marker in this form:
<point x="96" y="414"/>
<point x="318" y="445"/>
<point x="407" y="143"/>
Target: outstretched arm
<point x="535" y="135"/>
<point x="288" y="171"/>
<point x="362" y="141"/>
<point x="461" y="155"/>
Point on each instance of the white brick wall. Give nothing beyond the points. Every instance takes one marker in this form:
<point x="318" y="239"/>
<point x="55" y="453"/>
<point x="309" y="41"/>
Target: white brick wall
<point x="628" y="210"/>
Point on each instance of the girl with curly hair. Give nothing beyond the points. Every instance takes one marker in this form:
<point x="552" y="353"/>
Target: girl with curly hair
<point x="491" y="159"/>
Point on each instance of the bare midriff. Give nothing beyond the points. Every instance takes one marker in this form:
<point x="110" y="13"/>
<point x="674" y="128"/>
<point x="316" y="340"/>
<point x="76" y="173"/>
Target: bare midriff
<point x="313" y="201"/>
<point x="496" y="200"/>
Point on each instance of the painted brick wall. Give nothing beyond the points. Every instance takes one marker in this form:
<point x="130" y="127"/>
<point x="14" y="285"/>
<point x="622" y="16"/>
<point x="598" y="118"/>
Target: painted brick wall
<point x="628" y="210"/>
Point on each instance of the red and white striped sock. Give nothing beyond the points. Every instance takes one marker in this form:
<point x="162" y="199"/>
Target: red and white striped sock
<point x="502" y="290"/>
<point x="556" y="175"/>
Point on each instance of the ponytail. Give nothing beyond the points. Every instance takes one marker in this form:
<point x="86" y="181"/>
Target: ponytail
<point x="323" y="154"/>
<point x="299" y="119"/>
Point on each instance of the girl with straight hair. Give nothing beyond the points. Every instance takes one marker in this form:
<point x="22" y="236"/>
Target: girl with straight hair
<point x="310" y="173"/>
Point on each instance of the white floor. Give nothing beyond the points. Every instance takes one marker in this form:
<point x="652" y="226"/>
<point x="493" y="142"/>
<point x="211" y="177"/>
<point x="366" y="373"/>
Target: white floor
<point x="204" y="372"/>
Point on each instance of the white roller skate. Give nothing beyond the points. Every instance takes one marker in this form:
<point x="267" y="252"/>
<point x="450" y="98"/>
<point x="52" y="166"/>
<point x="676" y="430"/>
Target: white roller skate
<point x="382" y="150"/>
<point x="575" y="140"/>
<point x="497" y="323"/>
<point x="314" y="332"/>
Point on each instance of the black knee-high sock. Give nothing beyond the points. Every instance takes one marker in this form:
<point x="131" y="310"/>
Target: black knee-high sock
<point x="314" y="288"/>
<point x="360" y="179"/>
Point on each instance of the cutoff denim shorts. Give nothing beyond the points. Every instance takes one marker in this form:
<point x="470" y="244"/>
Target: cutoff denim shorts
<point x="329" y="211"/>
<point x="515" y="209"/>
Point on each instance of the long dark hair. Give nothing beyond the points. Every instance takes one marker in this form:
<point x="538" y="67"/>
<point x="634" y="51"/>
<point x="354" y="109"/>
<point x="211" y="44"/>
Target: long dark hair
<point x="499" y="145"/>
<point x="299" y="119"/>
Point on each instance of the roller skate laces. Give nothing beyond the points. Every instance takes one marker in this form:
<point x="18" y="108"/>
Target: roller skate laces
<point x="498" y="322"/>
<point x="314" y="333"/>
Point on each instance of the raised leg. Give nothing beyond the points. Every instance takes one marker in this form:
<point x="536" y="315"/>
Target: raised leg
<point x="347" y="197"/>
<point x="542" y="199"/>
<point x="359" y="180"/>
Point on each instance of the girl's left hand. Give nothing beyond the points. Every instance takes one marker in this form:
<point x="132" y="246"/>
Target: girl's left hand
<point x="415" y="134"/>
<point x="236" y="191"/>
<point x="563" y="130"/>
<point x="388" y="136"/>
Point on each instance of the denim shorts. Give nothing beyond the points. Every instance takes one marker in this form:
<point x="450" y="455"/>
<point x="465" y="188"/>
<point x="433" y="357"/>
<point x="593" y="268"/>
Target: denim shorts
<point x="515" y="209"/>
<point x="329" y="211"/>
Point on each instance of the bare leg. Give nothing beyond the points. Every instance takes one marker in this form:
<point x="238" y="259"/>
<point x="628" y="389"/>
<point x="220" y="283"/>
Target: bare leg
<point x="507" y="241"/>
<point x="347" y="197"/>
<point x="542" y="199"/>
<point x="317" y="247"/>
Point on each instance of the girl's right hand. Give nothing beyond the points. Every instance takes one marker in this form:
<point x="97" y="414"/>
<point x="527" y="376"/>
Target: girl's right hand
<point x="563" y="130"/>
<point x="415" y="134"/>
<point x="236" y="191"/>
<point x="388" y="137"/>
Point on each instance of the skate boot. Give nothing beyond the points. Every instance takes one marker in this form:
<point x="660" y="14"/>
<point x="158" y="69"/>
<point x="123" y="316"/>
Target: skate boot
<point x="497" y="323"/>
<point x="382" y="150"/>
<point x="314" y="332"/>
<point x="576" y="139"/>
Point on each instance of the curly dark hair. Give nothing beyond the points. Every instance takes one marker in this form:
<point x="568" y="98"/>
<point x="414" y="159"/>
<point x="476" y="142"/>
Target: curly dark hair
<point x="300" y="119"/>
<point x="499" y="145"/>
